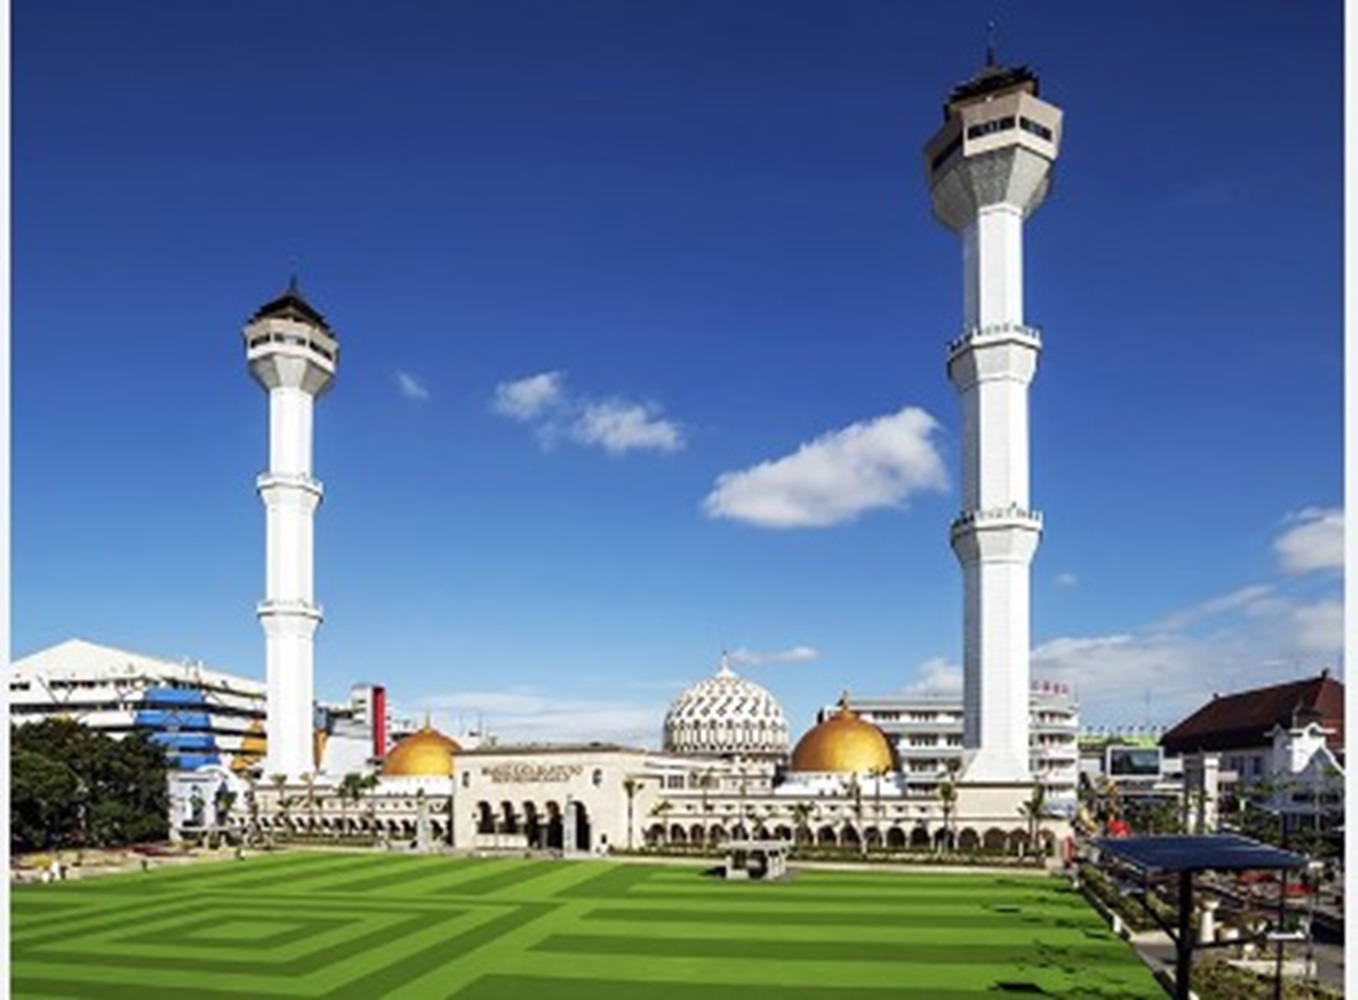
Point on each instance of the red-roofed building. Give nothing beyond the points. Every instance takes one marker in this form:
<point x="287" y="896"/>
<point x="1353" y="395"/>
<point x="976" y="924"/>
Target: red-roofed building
<point x="1289" y="737"/>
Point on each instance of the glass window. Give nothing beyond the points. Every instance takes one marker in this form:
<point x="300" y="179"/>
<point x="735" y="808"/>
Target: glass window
<point x="990" y="127"/>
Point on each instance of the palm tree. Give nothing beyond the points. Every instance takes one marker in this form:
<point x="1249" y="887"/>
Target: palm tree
<point x="281" y="802"/>
<point x="351" y="789"/>
<point x="659" y="810"/>
<point x="630" y="786"/>
<point x="309" y="779"/>
<point x="252" y="808"/>
<point x="1035" y="810"/>
<point x="947" y="800"/>
<point x="222" y="801"/>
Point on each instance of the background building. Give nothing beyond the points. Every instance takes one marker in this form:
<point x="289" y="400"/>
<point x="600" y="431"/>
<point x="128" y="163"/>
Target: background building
<point x="926" y="732"/>
<point x="1279" y="748"/>
<point x="201" y="716"/>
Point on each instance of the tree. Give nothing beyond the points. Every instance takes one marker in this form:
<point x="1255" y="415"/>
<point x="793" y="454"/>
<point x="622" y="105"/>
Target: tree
<point x="116" y="792"/>
<point x="659" y="810"/>
<point x="801" y="812"/>
<point x="351" y="789"/>
<point x="857" y="790"/>
<point x="947" y="800"/>
<point x="252" y="809"/>
<point x="281" y="802"/>
<point x="1035" y="810"/>
<point x="630" y="786"/>
<point x="42" y="805"/>
<point x="222" y="801"/>
<point x="309" y="780"/>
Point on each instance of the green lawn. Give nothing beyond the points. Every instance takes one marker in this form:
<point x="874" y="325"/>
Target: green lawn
<point x="372" y="925"/>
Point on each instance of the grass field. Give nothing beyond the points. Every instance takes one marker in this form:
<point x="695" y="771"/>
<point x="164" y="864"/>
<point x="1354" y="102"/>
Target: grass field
<point x="373" y="925"/>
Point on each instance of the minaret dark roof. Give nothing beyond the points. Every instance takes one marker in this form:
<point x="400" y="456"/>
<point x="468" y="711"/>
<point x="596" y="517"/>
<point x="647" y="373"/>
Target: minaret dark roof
<point x="291" y="305"/>
<point x="993" y="78"/>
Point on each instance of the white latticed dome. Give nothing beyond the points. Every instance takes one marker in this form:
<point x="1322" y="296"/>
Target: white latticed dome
<point x="726" y="714"/>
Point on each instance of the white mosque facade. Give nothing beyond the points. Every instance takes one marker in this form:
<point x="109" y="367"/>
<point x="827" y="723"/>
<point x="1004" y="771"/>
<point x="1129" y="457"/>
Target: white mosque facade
<point x="840" y="787"/>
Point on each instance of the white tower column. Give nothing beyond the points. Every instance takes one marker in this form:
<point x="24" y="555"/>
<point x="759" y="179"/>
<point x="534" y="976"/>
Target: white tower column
<point x="292" y="354"/>
<point x="989" y="169"/>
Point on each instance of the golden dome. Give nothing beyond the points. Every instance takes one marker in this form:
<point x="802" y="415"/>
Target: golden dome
<point x="425" y="754"/>
<point x="843" y="743"/>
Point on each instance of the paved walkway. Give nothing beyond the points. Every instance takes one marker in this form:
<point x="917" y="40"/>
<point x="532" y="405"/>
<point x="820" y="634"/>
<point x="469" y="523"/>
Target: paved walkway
<point x="1157" y="951"/>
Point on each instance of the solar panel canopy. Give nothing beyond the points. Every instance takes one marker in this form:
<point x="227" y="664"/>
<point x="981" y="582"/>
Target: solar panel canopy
<point x="1222" y="852"/>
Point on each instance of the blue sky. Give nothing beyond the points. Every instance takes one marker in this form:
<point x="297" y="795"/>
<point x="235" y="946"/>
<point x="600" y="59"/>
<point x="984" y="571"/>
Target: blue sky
<point x="643" y="316"/>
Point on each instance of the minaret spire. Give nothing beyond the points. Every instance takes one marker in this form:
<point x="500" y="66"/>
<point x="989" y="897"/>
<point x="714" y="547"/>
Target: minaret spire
<point x="989" y="170"/>
<point x="293" y="355"/>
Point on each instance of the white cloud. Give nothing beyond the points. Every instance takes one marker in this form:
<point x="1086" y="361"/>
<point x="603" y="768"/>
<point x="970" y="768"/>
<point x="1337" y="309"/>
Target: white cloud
<point x="1318" y="628"/>
<point x="754" y="657"/>
<point x="1067" y="580"/>
<point x="1255" y="597"/>
<point x="528" y="398"/>
<point x="936" y="676"/>
<point x="1167" y="673"/>
<point x="836" y="477"/>
<point x="616" y="425"/>
<point x="1315" y="543"/>
<point x="410" y="387"/>
<point x="532" y="716"/>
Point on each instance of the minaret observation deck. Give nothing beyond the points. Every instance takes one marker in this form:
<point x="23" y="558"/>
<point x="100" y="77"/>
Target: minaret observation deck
<point x="989" y="169"/>
<point x="292" y="353"/>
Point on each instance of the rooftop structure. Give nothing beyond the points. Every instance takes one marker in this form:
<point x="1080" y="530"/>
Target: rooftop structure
<point x="199" y="714"/>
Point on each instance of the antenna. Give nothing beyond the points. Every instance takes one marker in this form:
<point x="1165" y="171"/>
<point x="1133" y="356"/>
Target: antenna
<point x="990" y="45"/>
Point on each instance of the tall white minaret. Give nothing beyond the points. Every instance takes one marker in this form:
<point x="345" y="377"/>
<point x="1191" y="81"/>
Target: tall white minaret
<point x="989" y="168"/>
<point x="292" y="353"/>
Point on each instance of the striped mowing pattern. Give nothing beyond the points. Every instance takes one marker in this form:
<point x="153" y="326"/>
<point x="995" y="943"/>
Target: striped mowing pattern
<point x="361" y="926"/>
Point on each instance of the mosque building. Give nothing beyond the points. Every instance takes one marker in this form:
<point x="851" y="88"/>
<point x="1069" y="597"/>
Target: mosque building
<point x="841" y="786"/>
<point x="724" y="771"/>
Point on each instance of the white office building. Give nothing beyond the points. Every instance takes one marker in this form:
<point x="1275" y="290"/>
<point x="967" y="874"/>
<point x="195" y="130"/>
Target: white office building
<point x="926" y="732"/>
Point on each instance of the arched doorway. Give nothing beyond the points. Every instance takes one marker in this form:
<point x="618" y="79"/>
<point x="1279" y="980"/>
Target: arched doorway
<point x="532" y="825"/>
<point x="485" y="818"/>
<point x="555" y="828"/>
<point x="583" y="840"/>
